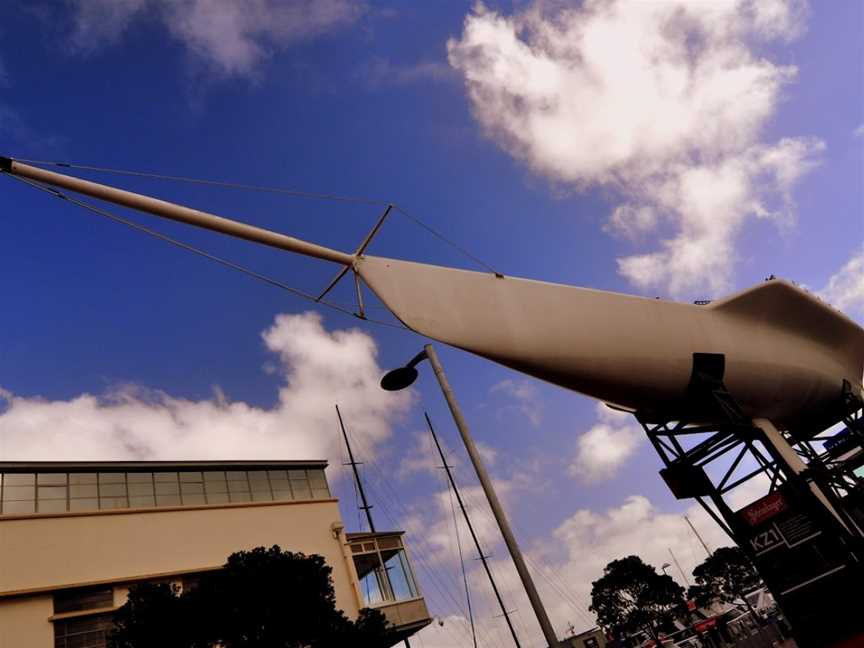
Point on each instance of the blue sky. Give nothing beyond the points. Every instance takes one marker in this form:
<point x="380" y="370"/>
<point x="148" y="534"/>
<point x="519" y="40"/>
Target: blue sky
<point x="652" y="148"/>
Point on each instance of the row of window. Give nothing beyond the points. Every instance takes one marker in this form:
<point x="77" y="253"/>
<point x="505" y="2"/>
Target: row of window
<point x="61" y="492"/>
<point x="83" y="632"/>
<point x="86" y="631"/>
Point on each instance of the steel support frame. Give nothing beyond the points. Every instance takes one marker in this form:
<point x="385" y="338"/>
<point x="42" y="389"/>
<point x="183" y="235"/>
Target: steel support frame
<point x="738" y="435"/>
<point x="723" y="440"/>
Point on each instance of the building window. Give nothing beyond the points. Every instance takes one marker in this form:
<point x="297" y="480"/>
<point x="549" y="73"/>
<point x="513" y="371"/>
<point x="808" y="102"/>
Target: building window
<point x="383" y="569"/>
<point x="19" y="493"/>
<point x="401" y="580"/>
<point x="141" y="490"/>
<point x="259" y="485"/>
<point x="373" y="579"/>
<point x="192" y="488"/>
<point x="238" y="486"/>
<point x="83" y="598"/>
<point x="319" y="484"/>
<point x="83" y="632"/>
<point x="112" y="491"/>
<point x="23" y="493"/>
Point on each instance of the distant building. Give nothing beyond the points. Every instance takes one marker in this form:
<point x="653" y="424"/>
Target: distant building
<point x="594" y="638"/>
<point x="75" y="536"/>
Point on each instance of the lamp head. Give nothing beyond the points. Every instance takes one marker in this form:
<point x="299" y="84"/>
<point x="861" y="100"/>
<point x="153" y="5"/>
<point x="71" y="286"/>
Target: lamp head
<point x="399" y="378"/>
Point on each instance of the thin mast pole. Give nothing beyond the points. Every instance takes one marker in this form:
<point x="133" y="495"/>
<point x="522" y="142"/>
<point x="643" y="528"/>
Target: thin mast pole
<point x="473" y="537"/>
<point x="366" y="508"/>
<point x="494" y="503"/>
<point x="678" y="565"/>
<point x="175" y="212"/>
<point x="696" y="533"/>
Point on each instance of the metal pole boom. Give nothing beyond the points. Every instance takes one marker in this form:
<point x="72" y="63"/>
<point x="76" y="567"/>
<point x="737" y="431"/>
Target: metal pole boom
<point x="175" y="212"/>
<point x="494" y="504"/>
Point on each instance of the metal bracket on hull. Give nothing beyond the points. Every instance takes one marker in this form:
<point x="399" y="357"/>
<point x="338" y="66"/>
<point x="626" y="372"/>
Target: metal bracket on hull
<point x="687" y="448"/>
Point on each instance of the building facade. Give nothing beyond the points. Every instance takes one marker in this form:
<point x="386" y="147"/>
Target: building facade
<point x="74" y="536"/>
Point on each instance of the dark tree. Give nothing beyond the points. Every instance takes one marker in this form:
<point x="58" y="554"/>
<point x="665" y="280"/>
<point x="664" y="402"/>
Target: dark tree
<point x="631" y="596"/>
<point x="727" y="575"/>
<point x="151" y="618"/>
<point x="701" y="595"/>
<point x="263" y="598"/>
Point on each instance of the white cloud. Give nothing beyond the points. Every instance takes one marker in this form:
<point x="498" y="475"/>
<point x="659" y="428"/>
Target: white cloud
<point x="859" y="132"/>
<point x="445" y="632"/>
<point x="564" y="565"/>
<point x="663" y="102"/>
<point x="381" y="72"/>
<point x="603" y="449"/>
<point x="231" y="38"/>
<point x="632" y="221"/>
<point x="523" y="396"/>
<point x="488" y="454"/>
<point x="563" y="562"/>
<point x="318" y="368"/>
<point x="422" y="458"/>
<point x="845" y="288"/>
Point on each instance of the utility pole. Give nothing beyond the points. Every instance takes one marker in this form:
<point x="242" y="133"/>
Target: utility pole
<point x="504" y="611"/>
<point x="696" y="533"/>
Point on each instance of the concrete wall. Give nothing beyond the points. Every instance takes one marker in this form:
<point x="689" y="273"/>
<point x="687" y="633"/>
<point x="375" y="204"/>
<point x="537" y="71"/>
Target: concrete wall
<point x="43" y="552"/>
<point x="24" y="622"/>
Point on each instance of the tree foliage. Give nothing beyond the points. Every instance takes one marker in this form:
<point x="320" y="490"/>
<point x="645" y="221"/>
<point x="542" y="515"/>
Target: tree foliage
<point x="726" y="575"/>
<point x="631" y="596"/>
<point x="263" y="598"/>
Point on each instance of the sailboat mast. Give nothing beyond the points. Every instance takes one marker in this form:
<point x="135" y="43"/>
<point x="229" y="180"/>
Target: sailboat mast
<point x="699" y="537"/>
<point x="366" y="508"/>
<point x="504" y="611"/>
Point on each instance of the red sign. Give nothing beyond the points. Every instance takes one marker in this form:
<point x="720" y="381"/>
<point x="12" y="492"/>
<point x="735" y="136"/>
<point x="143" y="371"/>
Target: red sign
<point x="764" y="508"/>
<point x="707" y="624"/>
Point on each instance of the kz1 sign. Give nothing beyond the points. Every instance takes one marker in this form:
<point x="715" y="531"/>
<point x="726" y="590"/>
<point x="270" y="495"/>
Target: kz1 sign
<point x="804" y="563"/>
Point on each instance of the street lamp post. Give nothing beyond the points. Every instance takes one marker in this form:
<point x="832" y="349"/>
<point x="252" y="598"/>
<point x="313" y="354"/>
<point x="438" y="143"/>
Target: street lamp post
<point x="403" y="377"/>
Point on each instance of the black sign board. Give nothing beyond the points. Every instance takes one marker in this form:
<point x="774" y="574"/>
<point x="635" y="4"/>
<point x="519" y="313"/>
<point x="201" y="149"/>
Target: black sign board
<point x="804" y="561"/>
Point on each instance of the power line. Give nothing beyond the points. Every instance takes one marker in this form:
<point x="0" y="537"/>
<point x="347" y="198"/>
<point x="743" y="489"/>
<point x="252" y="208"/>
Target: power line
<point x="462" y="565"/>
<point x="214" y="183"/>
